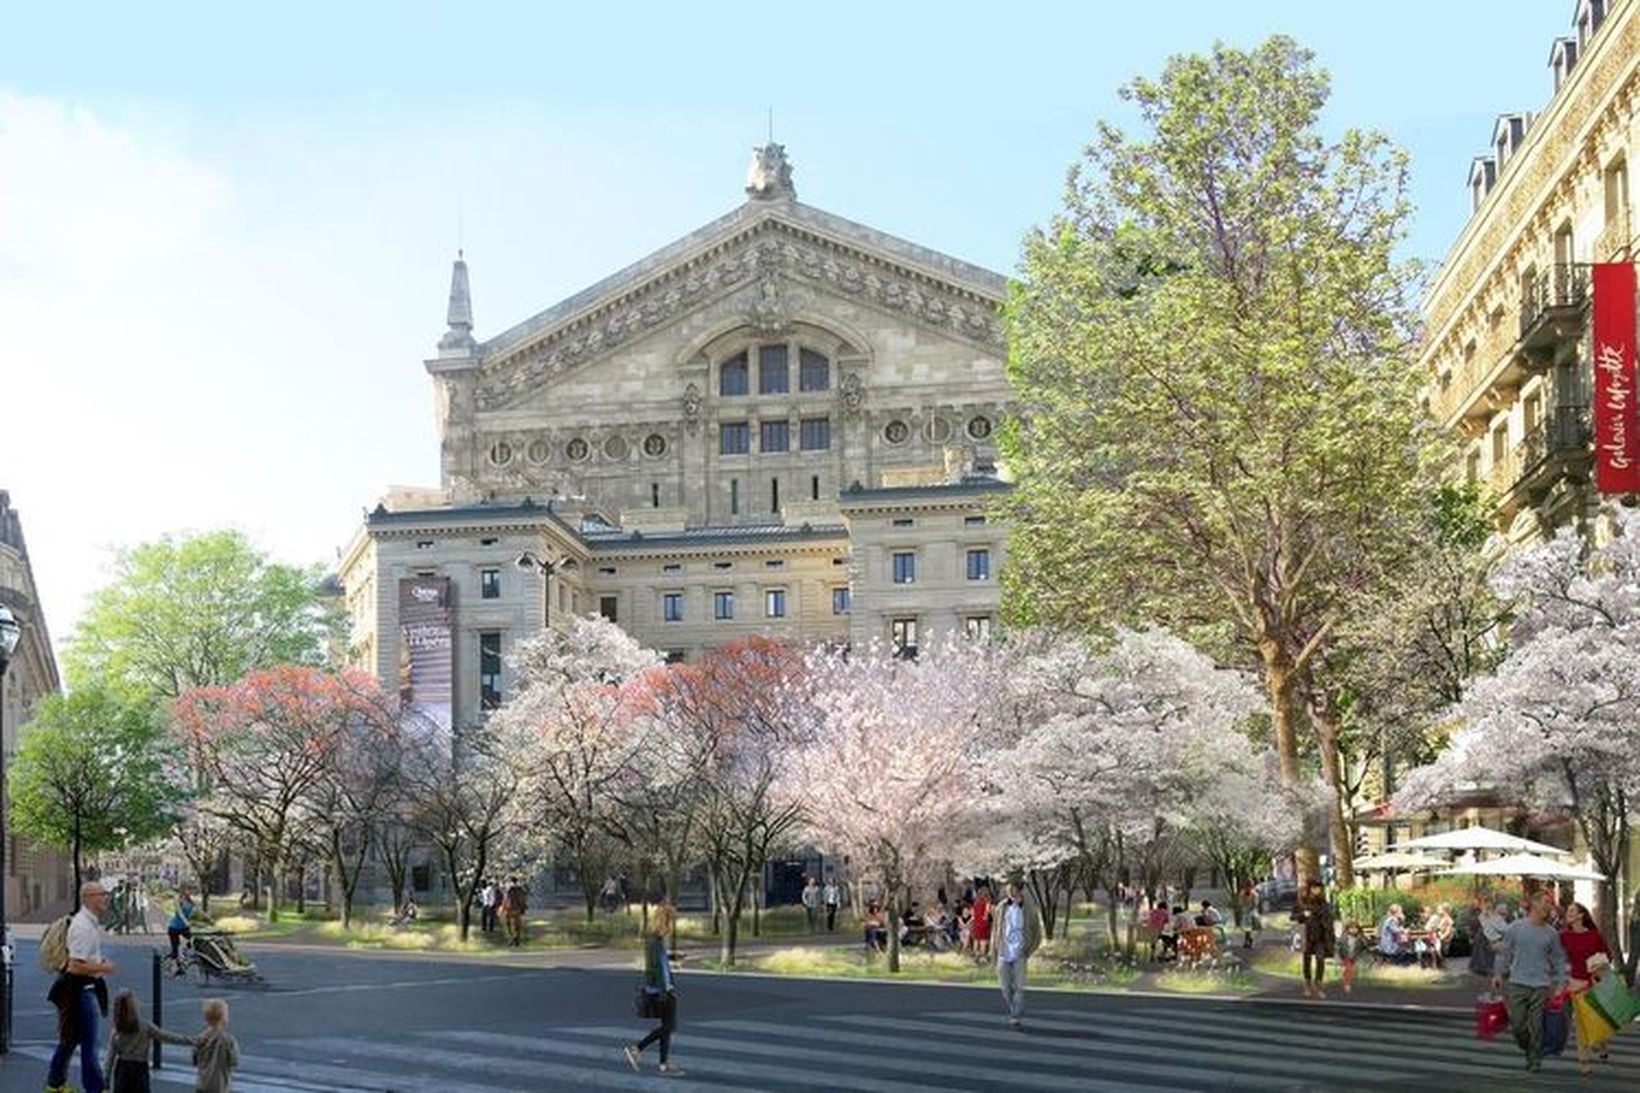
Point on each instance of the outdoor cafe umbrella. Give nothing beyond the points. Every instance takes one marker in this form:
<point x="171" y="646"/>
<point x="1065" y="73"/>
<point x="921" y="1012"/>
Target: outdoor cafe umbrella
<point x="1480" y="838"/>
<point x="1398" y="860"/>
<point x="1525" y="865"/>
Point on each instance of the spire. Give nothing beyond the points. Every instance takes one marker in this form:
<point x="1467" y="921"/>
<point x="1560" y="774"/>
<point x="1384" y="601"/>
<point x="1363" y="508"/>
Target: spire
<point x="770" y="176"/>
<point x="458" y="339"/>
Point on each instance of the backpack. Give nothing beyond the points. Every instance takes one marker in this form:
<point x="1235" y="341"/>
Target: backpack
<point x="54" y="945"/>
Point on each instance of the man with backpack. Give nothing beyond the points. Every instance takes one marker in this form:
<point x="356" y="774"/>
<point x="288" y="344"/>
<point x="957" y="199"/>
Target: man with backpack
<point x="80" y="992"/>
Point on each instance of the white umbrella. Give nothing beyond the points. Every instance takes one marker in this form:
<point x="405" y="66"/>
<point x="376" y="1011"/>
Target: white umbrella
<point x="1398" y="859"/>
<point x="1480" y="838"/>
<point x="1525" y="865"/>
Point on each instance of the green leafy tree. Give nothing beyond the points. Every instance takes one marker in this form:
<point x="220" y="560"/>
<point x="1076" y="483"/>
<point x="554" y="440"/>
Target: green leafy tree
<point x="1220" y="427"/>
<point x="90" y="775"/>
<point x="200" y="611"/>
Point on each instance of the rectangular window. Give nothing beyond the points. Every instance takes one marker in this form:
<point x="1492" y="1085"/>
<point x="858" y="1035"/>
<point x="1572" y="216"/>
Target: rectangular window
<point x="774" y="495"/>
<point x="734" y="497"/>
<point x="775" y="563"/>
<point x="841" y="601"/>
<point x="489" y="584"/>
<point x="773" y="370"/>
<point x="734" y="438"/>
<point x="904" y="522"/>
<point x="609" y="607"/>
<point x="775" y="436"/>
<point x="979" y="565"/>
<point x="489" y="670"/>
<point x="902" y="634"/>
<point x="905" y="567"/>
<point x="774" y="603"/>
<point x="674" y="656"/>
<point x="813" y="371"/>
<point x="814" y="434"/>
<point x="654" y="495"/>
<point x="672" y="567"/>
<point x="814" y="487"/>
<point x="723" y="605"/>
<point x="973" y="521"/>
<point x="978" y="627"/>
<point x="672" y="606"/>
<point x="732" y="376"/>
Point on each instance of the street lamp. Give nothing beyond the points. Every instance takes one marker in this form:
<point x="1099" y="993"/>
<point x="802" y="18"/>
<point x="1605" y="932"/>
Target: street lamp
<point x="10" y="634"/>
<point x="530" y="560"/>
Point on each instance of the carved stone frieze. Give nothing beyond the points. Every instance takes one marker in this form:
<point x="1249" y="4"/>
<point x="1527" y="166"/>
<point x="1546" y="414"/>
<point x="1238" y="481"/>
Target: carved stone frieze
<point x="773" y="257"/>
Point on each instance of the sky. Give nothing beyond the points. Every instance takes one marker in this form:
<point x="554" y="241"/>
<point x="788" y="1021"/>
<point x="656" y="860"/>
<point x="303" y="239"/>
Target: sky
<point x="226" y="230"/>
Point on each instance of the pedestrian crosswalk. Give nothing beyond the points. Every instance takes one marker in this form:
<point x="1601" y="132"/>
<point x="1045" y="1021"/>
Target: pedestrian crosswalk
<point x="1108" y="1045"/>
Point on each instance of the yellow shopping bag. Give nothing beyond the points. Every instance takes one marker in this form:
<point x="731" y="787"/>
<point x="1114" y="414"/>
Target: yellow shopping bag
<point x="1593" y="1029"/>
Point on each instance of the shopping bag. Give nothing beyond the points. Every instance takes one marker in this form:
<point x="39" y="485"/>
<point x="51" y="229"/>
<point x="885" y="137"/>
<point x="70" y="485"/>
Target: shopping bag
<point x="1592" y="1027"/>
<point x="1612" y="998"/>
<point x="1491" y="1016"/>
<point x="647" y="1002"/>
<point x="1557" y="1025"/>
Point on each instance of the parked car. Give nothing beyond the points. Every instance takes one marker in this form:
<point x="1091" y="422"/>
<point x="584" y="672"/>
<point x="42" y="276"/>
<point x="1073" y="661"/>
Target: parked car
<point x="1276" y="895"/>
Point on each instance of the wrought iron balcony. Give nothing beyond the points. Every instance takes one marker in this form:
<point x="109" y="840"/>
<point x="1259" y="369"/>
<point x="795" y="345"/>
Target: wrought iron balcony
<point x="1551" y="308"/>
<point x="1546" y="449"/>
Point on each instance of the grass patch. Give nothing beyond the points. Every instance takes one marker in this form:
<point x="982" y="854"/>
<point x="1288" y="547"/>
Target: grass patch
<point x="1234" y="980"/>
<point x="1288" y="965"/>
<point x="918" y="965"/>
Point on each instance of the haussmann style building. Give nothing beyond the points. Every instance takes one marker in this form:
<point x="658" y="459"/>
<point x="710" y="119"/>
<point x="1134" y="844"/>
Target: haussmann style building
<point x="782" y="424"/>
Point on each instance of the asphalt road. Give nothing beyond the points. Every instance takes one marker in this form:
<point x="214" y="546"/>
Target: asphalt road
<point x="420" y="1025"/>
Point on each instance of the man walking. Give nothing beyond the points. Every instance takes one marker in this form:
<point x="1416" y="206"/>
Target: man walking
<point x="1531" y="959"/>
<point x="80" y="994"/>
<point x="488" y="897"/>
<point x="831" y="897"/>
<point x="811" y="903"/>
<point x="1018" y="933"/>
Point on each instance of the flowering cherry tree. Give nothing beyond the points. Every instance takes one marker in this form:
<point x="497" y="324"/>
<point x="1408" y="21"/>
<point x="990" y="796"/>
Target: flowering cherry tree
<point x="1558" y="726"/>
<point x="891" y="771"/>
<point x="576" y="728"/>
<point x="1122" y="751"/>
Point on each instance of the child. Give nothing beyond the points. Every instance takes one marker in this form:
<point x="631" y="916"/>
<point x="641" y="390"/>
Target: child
<point x="131" y="1044"/>
<point x="1350" y="948"/>
<point x="216" y="1052"/>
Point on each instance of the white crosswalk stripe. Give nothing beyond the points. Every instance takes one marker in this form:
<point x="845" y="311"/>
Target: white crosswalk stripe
<point x="1141" y="1045"/>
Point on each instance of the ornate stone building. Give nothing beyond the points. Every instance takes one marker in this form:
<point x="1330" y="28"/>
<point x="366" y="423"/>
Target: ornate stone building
<point x="37" y="880"/>
<point x="784" y="423"/>
<point x="1507" y="318"/>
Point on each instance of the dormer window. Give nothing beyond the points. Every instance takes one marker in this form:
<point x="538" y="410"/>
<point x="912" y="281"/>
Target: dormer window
<point x="1562" y="57"/>
<point x="1590" y="14"/>
<point x="1483" y="172"/>
<point x="1507" y="136"/>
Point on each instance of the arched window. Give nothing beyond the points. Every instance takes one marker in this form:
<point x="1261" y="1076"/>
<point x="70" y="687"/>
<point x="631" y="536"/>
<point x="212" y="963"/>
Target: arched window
<point x="732" y="376"/>
<point x="814" y="371"/>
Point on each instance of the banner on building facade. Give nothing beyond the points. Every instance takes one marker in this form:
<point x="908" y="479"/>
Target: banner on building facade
<point x="427" y="650"/>
<point x="1616" y="428"/>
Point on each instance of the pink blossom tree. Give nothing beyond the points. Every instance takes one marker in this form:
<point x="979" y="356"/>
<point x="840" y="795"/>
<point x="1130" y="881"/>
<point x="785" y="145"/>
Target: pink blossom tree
<point x="890" y="772"/>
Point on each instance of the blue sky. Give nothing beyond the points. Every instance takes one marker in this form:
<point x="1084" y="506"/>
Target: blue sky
<point x="223" y="231"/>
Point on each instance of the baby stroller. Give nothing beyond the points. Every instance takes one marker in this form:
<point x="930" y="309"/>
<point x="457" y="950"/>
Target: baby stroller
<point x="211" y="954"/>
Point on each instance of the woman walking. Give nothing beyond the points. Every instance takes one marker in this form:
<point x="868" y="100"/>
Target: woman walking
<point x="660" y="996"/>
<point x="1586" y="956"/>
<point x="1316" y="915"/>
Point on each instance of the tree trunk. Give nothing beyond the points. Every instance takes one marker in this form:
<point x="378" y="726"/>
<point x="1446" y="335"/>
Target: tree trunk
<point x="894" y="930"/>
<point x="1282" y="683"/>
<point x="78" y="868"/>
<point x="1324" y="718"/>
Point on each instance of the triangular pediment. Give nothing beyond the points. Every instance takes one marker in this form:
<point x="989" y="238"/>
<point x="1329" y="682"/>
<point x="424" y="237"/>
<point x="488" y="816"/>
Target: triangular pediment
<point x="763" y="245"/>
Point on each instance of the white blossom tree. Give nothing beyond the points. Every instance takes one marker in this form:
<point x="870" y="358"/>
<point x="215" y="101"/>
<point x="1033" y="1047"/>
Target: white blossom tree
<point x="576" y="727"/>
<point x="1558" y="725"/>
<point x="891" y="773"/>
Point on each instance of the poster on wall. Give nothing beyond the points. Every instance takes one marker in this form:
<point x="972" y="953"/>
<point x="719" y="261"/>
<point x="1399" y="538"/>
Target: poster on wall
<point x="427" y="651"/>
<point x="1616" y="428"/>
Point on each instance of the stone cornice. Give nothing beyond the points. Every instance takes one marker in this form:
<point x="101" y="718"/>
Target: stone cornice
<point x="1602" y="80"/>
<point x="768" y="249"/>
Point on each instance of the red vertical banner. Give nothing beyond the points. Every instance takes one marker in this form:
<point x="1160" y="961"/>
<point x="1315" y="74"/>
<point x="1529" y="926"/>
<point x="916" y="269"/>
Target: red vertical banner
<point x="1616" y="427"/>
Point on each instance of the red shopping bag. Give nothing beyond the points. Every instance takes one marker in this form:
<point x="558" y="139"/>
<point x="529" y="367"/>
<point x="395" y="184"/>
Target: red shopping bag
<point x="1491" y="1016"/>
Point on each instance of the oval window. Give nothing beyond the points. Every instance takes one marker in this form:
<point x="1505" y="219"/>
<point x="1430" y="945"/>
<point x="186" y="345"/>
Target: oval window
<point x="654" y="445"/>
<point x="576" y="449"/>
<point x="539" y="451"/>
<point x="938" y="430"/>
<point x="979" y="428"/>
<point x="896" y="431"/>
<point x="615" y="447"/>
<point x="501" y="453"/>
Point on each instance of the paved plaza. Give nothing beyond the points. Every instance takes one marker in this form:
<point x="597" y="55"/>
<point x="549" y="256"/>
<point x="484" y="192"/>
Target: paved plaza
<point x="410" y="1024"/>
